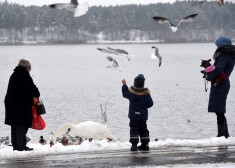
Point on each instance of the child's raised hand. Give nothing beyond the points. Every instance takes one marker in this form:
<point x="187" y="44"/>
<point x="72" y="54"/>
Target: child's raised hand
<point x="124" y="82"/>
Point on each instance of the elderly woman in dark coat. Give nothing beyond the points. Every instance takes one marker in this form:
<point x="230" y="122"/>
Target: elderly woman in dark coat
<point x="224" y="57"/>
<point x="18" y="104"/>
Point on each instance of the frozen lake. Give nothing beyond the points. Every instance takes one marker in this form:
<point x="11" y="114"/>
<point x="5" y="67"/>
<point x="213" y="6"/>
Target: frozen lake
<point x="73" y="81"/>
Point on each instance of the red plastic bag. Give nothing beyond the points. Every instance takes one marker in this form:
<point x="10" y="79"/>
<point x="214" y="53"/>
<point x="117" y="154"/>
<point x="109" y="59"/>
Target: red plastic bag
<point x="37" y="122"/>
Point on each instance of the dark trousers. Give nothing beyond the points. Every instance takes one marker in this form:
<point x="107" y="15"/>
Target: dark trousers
<point x="18" y="137"/>
<point x="139" y="129"/>
<point x="220" y="118"/>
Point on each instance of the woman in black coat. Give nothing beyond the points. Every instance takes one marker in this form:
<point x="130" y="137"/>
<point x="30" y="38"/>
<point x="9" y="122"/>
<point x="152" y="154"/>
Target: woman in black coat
<point x="18" y="104"/>
<point x="224" y="57"/>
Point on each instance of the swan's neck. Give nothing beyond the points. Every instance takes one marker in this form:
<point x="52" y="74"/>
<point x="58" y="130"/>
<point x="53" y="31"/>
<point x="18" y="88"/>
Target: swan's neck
<point x="60" y="129"/>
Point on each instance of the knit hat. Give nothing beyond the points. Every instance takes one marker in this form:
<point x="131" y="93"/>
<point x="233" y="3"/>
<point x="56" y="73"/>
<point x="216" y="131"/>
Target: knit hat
<point x="25" y="64"/>
<point x="222" y="41"/>
<point x="139" y="81"/>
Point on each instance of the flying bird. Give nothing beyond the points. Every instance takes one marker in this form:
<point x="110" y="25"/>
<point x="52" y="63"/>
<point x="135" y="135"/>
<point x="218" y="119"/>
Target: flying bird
<point x="118" y="52"/>
<point x="107" y="51"/>
<point x="115" y="64"/>
<point x="121" y="51"/>
<point x="157" y="55"/>
<point x="73" y="6"/>
<point x="173" y="27"/>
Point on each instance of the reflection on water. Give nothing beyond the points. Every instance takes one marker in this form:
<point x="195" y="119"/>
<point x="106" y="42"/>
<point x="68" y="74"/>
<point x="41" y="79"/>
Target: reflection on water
<point x="73" y="81"/>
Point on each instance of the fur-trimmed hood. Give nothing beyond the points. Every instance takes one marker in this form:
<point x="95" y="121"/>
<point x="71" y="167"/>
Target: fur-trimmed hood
<point x="225" y="50"/>
<point x="139" y="91"/>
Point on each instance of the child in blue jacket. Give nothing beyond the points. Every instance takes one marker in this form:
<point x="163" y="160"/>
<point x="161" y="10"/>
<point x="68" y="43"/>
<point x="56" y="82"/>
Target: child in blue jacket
<point x="140" y="100"/>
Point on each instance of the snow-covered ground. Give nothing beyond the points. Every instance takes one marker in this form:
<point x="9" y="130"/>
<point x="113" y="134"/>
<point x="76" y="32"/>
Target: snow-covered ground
<point x="219" y="165"/>
<point x="6" y="152"/>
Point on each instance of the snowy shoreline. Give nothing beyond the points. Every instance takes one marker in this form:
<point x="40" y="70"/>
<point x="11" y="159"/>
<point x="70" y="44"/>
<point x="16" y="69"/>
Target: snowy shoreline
<point x="6" y="152"/>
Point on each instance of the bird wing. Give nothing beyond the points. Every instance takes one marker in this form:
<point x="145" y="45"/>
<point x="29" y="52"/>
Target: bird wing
<point x="121" y="51"/>
<point x="58" y="5"/>
<point x="160" y="60"/>
<point x="163" y="20"/>
<point x="103" y="115"/>
<point x="115" y="64"/>
<point x="74" y="2"/>
<point x="81" y="10"/>
<point x="187" y="18"/>
<point x="109" y="58"/>
<point x="107" y="51"/>
<point x="153" y="56"/>
<point x="156" y="51"/>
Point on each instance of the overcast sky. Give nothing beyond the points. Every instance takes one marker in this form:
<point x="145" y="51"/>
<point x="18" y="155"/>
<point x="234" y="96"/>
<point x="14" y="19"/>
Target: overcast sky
<point x="90" y="2"/>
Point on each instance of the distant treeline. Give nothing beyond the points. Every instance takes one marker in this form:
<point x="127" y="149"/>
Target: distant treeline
<point x="116" y="23"/>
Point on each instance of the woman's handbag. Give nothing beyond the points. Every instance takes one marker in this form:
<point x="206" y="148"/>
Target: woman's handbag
<point x="37" y="121"/>
<point x="40" y="108"/>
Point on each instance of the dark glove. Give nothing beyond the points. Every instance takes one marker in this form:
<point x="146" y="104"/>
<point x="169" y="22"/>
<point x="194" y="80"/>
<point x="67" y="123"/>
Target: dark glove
<point x="203" y="72"/>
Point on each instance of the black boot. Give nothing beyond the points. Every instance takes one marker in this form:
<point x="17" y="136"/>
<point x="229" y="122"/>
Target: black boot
<point x="143" y="147"/>
<point x="25" y="149"/>
<point x="134" y="147"/>
<point x="221" y="130"/>
<point x="226" y="134"/>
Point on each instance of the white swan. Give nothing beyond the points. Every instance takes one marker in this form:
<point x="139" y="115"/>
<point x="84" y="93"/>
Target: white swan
<point x="87" y="129"/>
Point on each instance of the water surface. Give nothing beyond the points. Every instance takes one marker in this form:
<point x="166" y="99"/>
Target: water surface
<point x="74" y="81"/>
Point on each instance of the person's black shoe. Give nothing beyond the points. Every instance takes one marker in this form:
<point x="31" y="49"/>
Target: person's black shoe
<point x="25" y="149"/>
<point x="134" y="147"/>
<point x="15" y="149"/>
<point x="143" y="147"/>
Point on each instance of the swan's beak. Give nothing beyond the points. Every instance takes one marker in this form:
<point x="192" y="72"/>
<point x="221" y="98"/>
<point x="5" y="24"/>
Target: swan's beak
<point x="153" y="47"/>
<point x="51" y="144"/>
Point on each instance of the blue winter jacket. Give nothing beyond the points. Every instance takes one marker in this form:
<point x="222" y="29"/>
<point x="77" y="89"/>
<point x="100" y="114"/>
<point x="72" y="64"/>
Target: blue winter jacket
<point x="140" y="100"/>
<point x="224" y="62"/>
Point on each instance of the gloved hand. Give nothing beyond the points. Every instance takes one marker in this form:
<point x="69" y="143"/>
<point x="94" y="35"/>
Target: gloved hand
<point x="203" y="71"/>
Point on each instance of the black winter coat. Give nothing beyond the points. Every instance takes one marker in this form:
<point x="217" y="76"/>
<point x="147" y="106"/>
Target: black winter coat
<point x="140" y="101"/>
<point x="224" y="62"/>
<point x="19" y="98"/>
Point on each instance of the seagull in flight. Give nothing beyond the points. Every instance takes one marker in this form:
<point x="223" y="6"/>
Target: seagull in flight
<point x="73" y="6"/>
<point x="107" y="51"/>
<point x="119" y="52"/>
<point x="157" y="55"/>
<point x="115" y="64"/>
<point x="173" y="27"/>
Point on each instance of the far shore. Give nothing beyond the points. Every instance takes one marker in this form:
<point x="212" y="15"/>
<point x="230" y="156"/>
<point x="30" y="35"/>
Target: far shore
<point x="101" y="42"/>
